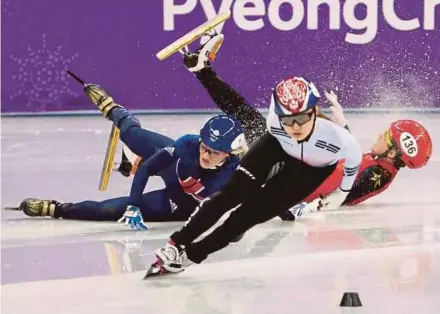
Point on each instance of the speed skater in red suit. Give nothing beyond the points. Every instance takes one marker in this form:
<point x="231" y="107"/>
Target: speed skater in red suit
<point x="404" y="144"/>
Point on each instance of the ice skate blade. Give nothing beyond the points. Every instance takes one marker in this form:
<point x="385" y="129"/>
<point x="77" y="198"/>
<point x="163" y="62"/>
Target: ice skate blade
<point x="158" y="271"/>
<point x="109" y="158"/>
<point x="11" y="208"/>
<point x="193" y="35"/>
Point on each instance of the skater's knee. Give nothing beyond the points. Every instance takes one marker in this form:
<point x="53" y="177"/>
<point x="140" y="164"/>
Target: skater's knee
<point x="238" y="238"/>
<point x="236" y="225"/>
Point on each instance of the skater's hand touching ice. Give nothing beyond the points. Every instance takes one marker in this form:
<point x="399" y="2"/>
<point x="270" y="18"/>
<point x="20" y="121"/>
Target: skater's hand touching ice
<point x="133" y="217"/>
<point x="301" y="209"/>
<point x="333" y="200"/>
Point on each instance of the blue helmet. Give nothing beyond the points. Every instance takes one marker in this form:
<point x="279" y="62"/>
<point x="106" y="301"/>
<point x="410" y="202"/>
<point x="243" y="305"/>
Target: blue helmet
<point x="223" y="133"/>
<point x="294" y="95"/>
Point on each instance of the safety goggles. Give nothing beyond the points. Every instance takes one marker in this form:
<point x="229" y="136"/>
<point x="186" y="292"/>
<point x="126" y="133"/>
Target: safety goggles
<point x="299" y="119"/>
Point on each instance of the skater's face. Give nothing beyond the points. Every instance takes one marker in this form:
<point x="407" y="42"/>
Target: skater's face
<point x="210" y="158"/>
<point x="382" y="145"/>
<point x="299" y="131"/>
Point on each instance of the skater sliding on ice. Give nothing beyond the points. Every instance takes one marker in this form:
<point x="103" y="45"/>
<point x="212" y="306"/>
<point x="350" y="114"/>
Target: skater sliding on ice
<point x="192" y="167"/>
<point x="406" y="143"/>
<point x="378" y="168"/>
<point x="305" y="147"/>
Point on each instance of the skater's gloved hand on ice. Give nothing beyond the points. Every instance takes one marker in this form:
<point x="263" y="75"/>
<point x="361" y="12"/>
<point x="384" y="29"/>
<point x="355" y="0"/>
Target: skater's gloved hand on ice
<point x="133" y="217"/>
<point x="294" y="212"/>
<point x="299" y="210"/>
<point x="333" y="200"/>
<point x="336" y="109"/>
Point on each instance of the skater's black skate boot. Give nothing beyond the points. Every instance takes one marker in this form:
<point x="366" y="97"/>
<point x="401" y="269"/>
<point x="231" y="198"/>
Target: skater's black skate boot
<point x="130" y="162"/>
<point x="170" y="259"/>
<point x="125" y="167"/>
<point x="156" y="269"/>
<point x="40" y="208"/>
<point x="202" y="57"/>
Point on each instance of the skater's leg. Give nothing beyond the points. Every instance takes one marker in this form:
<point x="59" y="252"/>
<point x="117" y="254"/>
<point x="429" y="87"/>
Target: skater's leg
<point x="108" y="210"/>
<point x="224" y="96"/>
<point x="142" y="142"/>
<point x="234" y="104"/>
<point x="158" y="207"/>
<point x="278" y="195"/>
<point x="130" y="127"/>
<point x="244" y="184"/>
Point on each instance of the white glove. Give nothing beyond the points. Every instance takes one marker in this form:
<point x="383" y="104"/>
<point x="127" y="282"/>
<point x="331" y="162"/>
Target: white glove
<point x="336" y="109"/>
<point x="333" y="200"/>
<point x="294" y="212"/>
<point x="299" y="210"/>
<point x="133" y="217"/>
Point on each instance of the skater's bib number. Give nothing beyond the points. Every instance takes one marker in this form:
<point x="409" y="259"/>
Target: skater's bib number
<point x="408" y="144"/>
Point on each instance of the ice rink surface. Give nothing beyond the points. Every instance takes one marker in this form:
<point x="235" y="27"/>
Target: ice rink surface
<point x="386" y="249"/>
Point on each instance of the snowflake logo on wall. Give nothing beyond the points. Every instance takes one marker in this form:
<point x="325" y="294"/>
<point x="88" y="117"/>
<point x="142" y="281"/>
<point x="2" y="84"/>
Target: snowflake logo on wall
<point x="42" y="75"/>
<point x="5" y="6"/>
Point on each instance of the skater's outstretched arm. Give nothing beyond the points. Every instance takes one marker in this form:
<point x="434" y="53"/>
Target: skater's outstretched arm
<point x="224" y="96"/>
<point x="244" y="184"/>
<point x="370" y="182"/>
<point x="232" y="103"/>
<point x="160" y="160"/>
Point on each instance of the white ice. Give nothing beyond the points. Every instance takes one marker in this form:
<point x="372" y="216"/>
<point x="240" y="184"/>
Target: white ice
<point x="387" y="249"/>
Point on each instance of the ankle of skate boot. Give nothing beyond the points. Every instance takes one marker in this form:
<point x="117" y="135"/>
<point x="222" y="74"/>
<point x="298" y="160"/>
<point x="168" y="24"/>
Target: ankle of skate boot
<point x="116" y="114"/>
<point x="176" y="240"/>
<point x="181" y="238"/>
<point x="125" y="168"/>
<point x="106" y="109"/>
<point x="59" y="209"/>
<point x="193" y="256"/>
<point x="49" y="208"/>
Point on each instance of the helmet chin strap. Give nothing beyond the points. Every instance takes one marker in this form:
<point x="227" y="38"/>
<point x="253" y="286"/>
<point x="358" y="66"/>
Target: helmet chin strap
<point x="384" y="154"/>
<point x="219" y="164"/>
<point x="397" y="159"/>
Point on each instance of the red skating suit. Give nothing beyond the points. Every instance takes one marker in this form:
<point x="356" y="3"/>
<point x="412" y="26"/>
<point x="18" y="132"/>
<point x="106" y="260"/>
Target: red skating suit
<point x="374" y="177"/>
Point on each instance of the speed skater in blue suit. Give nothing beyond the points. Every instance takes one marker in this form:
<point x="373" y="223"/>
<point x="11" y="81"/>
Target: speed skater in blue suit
<point x="193" y="167"/>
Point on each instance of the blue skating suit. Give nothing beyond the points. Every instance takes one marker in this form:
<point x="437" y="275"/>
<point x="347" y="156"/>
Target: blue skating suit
<point x="186" y="184"/>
